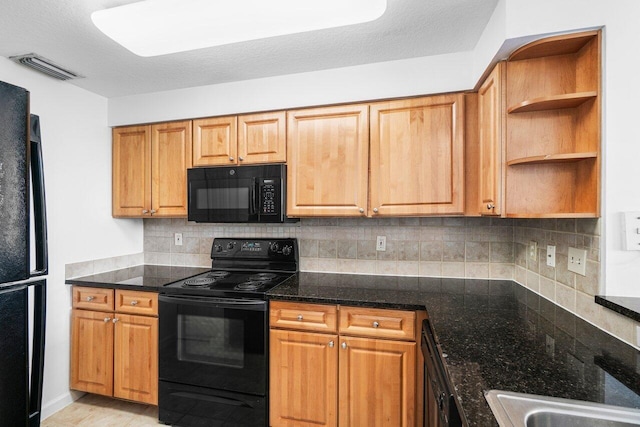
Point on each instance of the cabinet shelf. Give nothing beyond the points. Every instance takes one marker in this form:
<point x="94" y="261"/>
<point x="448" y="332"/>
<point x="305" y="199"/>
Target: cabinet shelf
<point x="557" y="45"/>
<point x="553" y="158"/>
<point x="570" y="100"/>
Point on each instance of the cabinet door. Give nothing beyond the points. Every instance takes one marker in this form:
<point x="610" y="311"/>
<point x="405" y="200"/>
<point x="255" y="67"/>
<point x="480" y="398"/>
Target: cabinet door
<point x="490" y="120"/>
<point x="327" y="154"/>
<point x="171" y="157"/>
<point x="377" y="382"/>
<point x="417" y="156"/>
<point x="135" y="364"/>
<point x="131" y="171"/>
<point x="92" y="352"/>
<point x="215" y="141"/>
<point x="303" y="379"/>
<point x="262" y="138"/>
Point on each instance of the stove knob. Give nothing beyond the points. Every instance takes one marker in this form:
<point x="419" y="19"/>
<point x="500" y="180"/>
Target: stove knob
<point x="274" y="247"/>
<point x="230" y="245"/>
<point x="286" y="251"/>
<point x="217" y="248"/>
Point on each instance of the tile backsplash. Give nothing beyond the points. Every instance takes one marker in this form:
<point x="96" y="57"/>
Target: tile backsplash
<point x="494" y="248"/>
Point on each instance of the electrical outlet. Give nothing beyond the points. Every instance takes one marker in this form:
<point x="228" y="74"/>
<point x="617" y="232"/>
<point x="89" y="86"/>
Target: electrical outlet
<point x="533" y="250"/>
<point x="381" y="243"/>
<point x="578" y="261"/>
<point x="631" y="231"/>
<point x="177" y="238"/>
<point x="551" y="255"/>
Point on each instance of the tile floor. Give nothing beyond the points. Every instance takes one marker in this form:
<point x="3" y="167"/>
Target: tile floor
<point x="98" y="411"/>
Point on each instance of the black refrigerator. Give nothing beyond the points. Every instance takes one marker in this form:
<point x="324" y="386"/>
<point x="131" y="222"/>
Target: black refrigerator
<point x="22" y="298"/>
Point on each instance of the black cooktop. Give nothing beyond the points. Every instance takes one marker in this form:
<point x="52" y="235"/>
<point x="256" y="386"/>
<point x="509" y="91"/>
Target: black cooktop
<point x="245" y="268"/>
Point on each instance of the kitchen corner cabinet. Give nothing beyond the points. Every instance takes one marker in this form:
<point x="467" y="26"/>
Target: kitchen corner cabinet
<point x="114" y="343"/>
<point x="150" y="170"/>
<point x="417" y="156"/>
<point x="237" y="140"/>
<point x="553" y="114"/>
<point x="491" y="141"/>
<point x="343" y="366"/>
<point x="328" y="154"/>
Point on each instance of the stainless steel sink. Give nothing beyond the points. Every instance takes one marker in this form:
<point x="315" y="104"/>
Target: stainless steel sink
<point x="527" y="410"/>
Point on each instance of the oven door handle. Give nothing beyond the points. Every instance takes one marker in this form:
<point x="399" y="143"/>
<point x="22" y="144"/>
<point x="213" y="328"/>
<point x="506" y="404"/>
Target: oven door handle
<point x="240" y="304"/>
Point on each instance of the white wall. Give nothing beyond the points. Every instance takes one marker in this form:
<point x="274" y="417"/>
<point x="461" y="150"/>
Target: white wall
<point x="443" y="73"/>
<point x="77" y="164"/>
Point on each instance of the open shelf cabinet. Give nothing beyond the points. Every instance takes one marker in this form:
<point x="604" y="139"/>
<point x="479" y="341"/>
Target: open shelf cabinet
<point x="553" y="128"/>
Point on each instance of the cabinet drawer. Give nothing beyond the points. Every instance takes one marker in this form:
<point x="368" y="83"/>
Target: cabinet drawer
<point x="378" y="323"/>
<point x="99" y="299"/>
<point x="301" y="316"/>
<point x="136" y="302"/>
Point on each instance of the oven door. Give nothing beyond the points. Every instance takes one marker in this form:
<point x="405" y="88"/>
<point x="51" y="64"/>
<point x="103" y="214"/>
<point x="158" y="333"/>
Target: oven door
<point x="218" y="343"/>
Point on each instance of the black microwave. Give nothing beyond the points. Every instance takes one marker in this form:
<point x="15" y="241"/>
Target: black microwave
<point x="255" y="193"/>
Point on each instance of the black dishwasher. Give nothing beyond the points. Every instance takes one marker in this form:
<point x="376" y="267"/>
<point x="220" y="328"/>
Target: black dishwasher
<point x="439" y="402"/>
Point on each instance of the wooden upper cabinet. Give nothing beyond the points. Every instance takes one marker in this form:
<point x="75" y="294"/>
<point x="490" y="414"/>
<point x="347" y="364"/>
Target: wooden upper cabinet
<point x="171" y="157"/>
<point x="417" y="156"/>
<point x="131" y="178"/>
<point x="215" y="141"/>
<point x="327" y="154"/>
<point x="150" y="170"/>
<point x="262" y="138"/>
<point x="553" y="137"/>
<point x="491" y="136"/>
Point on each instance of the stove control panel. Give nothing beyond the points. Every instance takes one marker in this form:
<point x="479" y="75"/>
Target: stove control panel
<point x="263" y="249"/>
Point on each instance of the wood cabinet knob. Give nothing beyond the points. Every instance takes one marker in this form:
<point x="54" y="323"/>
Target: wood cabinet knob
<point x="115" y="319"/>
<point x="490" y="206"/>
<point x="106" y="319"/>
<point x="231" y="159"/>
<point x="90" y="298"/>
<point x="344" y="345"/>
<point x="134" y="302"/>
<point x="300" y="317"/>
<point x="375" y="210"/>
<point x="376" y="324"/>
<point x="361" y="210"/>
<point x="144" y="211"/>
<point x="331" y="344"/>
<point x="241" y="158"/>
<point x="153" y="211"/>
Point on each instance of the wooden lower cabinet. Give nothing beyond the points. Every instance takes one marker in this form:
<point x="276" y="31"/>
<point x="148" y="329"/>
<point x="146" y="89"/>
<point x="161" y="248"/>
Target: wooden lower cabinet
<point x="112" y="353"/>
<point x="304" y="365"/>
<point x="331" y="379"/>
<point x="377" y="382"/>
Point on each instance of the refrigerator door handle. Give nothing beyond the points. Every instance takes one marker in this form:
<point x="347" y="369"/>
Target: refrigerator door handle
<point x="39" y="205"/>
<point x="37" y="358"/>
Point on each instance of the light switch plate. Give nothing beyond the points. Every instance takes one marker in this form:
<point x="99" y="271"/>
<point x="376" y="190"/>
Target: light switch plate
<point x="631" y="229"/>
<point x="578" y="261"/>
<point x="381" y="243"/>
<point x="551" y="255"/>
<point x="177" y="237"/>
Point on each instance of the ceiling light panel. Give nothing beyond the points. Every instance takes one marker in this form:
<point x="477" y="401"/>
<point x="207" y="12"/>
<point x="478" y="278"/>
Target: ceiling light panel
<point x="159" y="27"/>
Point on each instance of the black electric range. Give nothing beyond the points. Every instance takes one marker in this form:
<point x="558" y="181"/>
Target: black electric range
<point x="214" y="339"/>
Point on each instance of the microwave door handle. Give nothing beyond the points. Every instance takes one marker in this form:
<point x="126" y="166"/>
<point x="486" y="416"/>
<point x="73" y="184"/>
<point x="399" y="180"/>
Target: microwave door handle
<point x="252" y="196"/>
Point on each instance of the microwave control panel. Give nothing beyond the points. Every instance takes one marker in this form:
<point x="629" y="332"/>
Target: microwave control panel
<point x="269" y="197"/>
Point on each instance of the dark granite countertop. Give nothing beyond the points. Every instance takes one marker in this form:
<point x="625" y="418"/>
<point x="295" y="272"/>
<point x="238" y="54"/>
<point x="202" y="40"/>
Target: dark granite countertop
<point x="140" y="277"/>
<point x="627" y="306"/>
<point x="497" y="335"/>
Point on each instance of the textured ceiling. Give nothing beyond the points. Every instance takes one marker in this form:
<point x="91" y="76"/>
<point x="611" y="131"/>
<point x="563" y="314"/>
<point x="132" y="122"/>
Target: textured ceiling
<point x="62" y="31"/>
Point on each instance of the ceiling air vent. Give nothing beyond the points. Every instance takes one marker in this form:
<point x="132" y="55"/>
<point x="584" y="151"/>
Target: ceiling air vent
<point x="45" y="66"/>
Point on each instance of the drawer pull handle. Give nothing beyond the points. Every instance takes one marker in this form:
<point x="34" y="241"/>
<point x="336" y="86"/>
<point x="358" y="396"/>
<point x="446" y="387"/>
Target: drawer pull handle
<point x="115" y="320"/>
<point x="134" y="302"/>
<point x="106" y="319"/>
<point x="300" y="317"/>
<point x="330" y="344"/>
<point x="344" y="345"/>
<point x="376" y="324"/>
<point x="90" y="298"/>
